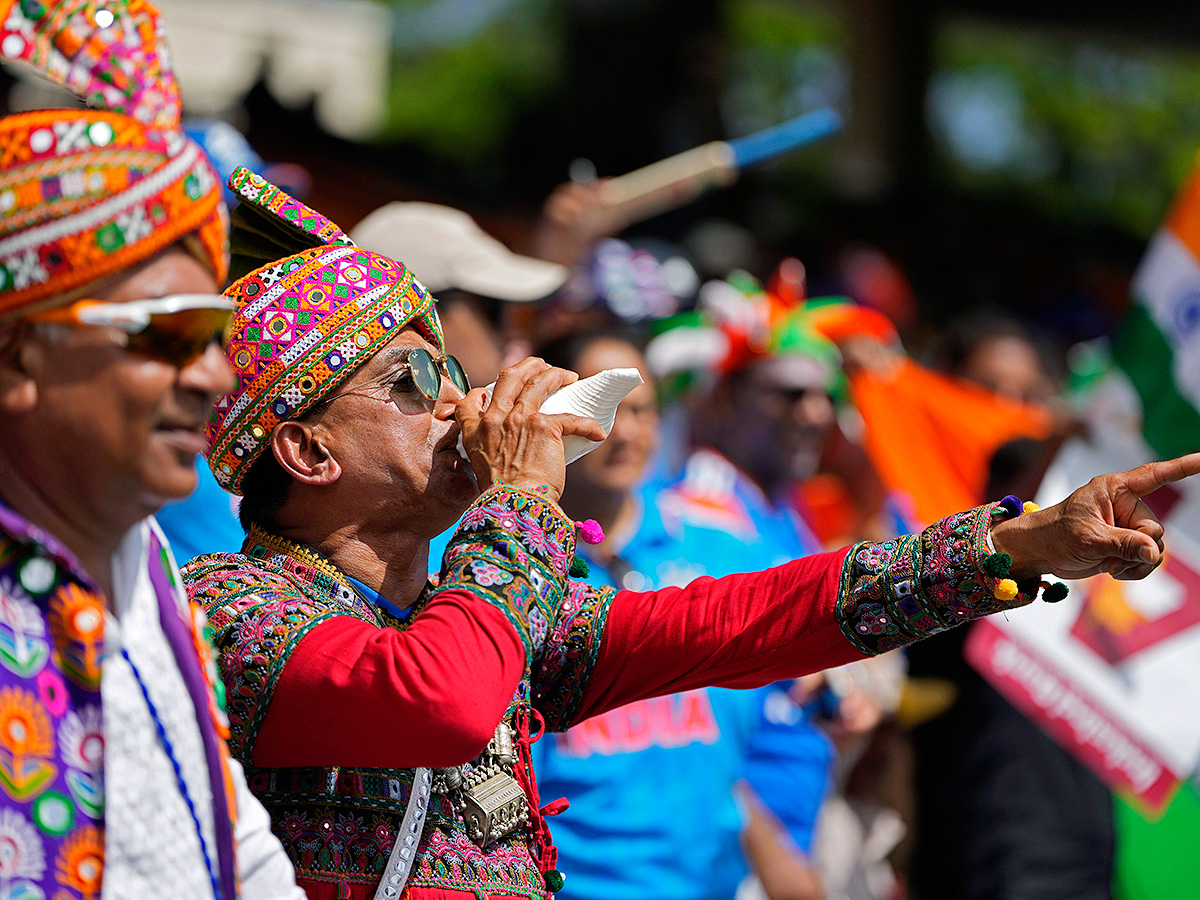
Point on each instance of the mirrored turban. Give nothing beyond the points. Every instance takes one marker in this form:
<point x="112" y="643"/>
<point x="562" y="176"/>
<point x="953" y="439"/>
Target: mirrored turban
<point x="86" y="193"/>
<point x="310" y="308"/>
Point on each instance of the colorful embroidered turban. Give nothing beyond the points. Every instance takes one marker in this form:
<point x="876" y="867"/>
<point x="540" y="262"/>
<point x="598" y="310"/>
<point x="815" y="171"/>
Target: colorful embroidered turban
<point x="319" y="309"/>
<point x="87" y="193"/>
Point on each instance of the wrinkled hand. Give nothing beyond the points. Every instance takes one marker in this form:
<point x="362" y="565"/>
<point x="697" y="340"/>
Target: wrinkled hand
<point x="509" y="441"/>
<point x="1104" y="526"/>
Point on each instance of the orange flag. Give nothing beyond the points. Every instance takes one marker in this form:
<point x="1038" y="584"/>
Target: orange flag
<point x="932" y="436"/>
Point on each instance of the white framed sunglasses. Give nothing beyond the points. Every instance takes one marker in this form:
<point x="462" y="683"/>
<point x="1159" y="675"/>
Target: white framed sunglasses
<point x="175" y="329"/>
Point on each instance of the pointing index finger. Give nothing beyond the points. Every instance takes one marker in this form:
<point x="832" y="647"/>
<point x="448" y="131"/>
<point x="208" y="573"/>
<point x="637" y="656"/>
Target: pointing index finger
<point x="1150" y="477"/>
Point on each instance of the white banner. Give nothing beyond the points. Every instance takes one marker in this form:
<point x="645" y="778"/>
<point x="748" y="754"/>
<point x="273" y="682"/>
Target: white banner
<point x="1113" y="671"/>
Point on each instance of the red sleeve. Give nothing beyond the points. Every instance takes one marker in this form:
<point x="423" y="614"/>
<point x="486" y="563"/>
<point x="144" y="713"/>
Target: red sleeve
<point x="741" y="631"/>
<point x="354" y="694"/>
<point x="811" y="614"/>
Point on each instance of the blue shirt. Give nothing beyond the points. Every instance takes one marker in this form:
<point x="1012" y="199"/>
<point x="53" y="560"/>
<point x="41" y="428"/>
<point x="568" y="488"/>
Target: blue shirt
<point x="205" y="522"/>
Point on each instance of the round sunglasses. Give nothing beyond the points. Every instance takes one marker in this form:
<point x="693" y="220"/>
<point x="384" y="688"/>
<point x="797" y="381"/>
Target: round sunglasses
<point x="425" y="370"/>
<point x="175" y="329"/>
<point x="427" y="373"/>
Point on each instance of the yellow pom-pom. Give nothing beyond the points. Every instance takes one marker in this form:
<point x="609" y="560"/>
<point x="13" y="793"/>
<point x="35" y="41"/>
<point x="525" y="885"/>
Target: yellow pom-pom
<point x="1029" y="507"/>
<point x="1006" y="589"/>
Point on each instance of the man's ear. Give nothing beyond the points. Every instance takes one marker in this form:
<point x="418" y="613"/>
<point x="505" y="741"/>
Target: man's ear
<point x="303" y="454"/>
<point x="21" y="357"/>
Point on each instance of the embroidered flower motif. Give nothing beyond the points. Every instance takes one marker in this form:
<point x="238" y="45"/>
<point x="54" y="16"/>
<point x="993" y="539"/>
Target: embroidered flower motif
<point x="21" y="851"/>
<point x="535" y="540"/>
<point x="24" y="726"/>
<point x="489" y="574"/>
<point x="871" y="623"/>
<point x="18" y="613"/>
<point x="77" y="622"/>
<point x="473" y="519"/>
<point x="81" y="740"/>
<point x="80" y="862"/>
<point x="350" y="825"/>
<point x="293" y="823"/>
<point x="539" y="627"/>
<point x="52" y="692"/>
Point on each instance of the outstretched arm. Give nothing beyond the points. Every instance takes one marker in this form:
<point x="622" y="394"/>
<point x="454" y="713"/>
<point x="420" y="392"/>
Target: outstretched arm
<point x="826" y="610"/>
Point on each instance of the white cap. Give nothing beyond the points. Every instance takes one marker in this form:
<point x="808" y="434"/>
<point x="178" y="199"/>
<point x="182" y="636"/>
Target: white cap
<point x="445" y="249"/>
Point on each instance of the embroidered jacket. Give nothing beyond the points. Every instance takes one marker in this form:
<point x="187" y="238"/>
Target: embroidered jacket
<point x="53" y="731"/>
<point x="332" y="702"/>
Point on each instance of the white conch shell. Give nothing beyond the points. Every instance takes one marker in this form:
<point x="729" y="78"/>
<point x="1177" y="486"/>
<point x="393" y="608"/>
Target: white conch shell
<point x="597" y="396"/>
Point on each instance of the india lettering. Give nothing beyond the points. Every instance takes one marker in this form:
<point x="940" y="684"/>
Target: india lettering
<point x="674" y="721"/>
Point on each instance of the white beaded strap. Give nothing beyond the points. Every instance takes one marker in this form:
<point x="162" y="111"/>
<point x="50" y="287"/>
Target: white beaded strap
<point x="404" y="850"/>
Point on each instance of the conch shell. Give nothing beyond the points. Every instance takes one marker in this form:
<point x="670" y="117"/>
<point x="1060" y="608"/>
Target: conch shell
<point x="597" y="396"/>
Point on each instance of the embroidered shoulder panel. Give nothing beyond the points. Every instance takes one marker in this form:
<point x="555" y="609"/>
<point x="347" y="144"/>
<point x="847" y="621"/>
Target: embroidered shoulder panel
<point x="513" y="548"/>
<point x="895" y="592"/>
<point x="567" y="656"/>
<point x="259" y="609"/>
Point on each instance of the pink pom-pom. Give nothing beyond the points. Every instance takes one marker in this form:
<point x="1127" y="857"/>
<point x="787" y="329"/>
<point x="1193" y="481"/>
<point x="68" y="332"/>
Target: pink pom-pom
<point x="590" y="531"/>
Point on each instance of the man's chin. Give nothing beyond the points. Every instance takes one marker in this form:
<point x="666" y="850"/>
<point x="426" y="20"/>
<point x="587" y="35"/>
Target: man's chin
<point x="167" y="487"/>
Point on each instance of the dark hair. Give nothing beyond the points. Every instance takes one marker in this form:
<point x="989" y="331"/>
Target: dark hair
<point x="966" y="334"/>
<point x="264" y="492"/>
<point x="265" y="485"/>
<point x="564" y="352"/>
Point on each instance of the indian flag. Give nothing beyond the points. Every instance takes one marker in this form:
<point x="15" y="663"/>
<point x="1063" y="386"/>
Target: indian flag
<point x="1159" y="351"/>
<point x="1159" y="345"/>
<point x="1113" y="672"/>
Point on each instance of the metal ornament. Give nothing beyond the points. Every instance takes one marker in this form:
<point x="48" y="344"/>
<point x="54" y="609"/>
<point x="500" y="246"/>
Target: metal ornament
<point x="489" y="799"/>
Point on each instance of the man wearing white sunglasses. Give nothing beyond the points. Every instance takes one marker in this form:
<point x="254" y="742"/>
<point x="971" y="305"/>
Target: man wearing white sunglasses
<point x="114" y="776"/>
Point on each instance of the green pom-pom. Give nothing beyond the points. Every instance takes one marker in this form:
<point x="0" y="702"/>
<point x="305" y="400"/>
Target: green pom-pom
<point x="997" y="564"/>
<point x="554" y="880"/>
<point x="579" y="568"/>
<point x="1054" y="591"/>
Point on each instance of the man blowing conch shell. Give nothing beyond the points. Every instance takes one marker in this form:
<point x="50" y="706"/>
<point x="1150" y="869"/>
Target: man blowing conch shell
<point x="384" y="720"/>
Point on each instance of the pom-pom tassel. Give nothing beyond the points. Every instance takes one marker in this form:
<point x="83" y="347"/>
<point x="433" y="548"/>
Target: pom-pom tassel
<point x="997" y="564"/>
<point x="1012" y="505"/>
<point x="1054" y="591"/>
<point x="590" y="531"/>
<point x="579" y="568"/>
<point x="1006" y="589"/>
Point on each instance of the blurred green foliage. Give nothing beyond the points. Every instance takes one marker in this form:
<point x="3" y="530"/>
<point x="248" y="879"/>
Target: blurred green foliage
<point x="458" y="90"/>
<point x="1101" y="129"/>
<point x="785" y="58"/>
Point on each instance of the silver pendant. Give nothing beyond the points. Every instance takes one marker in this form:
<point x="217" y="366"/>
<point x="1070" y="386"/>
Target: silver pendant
<point x="494" y="808"/>
<point x="489" y="799"/>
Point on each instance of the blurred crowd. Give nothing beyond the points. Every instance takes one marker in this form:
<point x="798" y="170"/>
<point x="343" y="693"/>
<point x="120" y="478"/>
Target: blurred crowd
<point x="770" y="425"/>
<point x="773" y="422"/>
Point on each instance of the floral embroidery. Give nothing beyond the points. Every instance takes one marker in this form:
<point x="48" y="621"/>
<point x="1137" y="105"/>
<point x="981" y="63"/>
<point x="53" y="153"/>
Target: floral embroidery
<point x="569" y="653"/>
<point x="515" y="548"/>
<point x="77" y="622"/>
<point x="488" y="574"/>
<point x="21" y="852"/>
<point x="337" y="824"/>
<point x="81" y="737"/>
<point x="26" y="738"/>
<point x="24" y="726"/>
<point x="895" y="592"/>
<point x="80" y="862"/>
<point x="23" y="649"/>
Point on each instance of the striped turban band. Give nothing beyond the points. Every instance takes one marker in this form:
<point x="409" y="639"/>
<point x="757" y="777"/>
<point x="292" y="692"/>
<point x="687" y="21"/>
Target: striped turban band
<point x="87" y="193"/>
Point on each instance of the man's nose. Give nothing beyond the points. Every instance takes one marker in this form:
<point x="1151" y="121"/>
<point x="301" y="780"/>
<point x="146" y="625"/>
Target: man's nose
<point x="443" y="407"/>
<point x="812" y="408"/>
